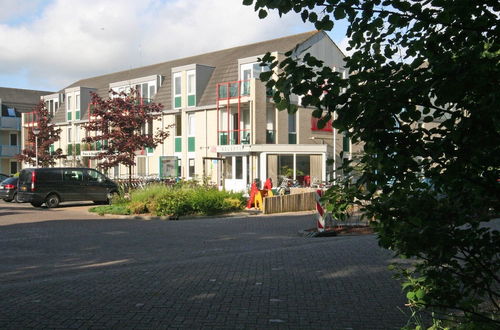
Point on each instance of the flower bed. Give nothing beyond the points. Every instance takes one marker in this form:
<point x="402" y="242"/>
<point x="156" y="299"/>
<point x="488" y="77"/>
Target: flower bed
<point x="175" y="201"/>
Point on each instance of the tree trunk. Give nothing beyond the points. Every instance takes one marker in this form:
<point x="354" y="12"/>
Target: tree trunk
<point x="129" y="177"/>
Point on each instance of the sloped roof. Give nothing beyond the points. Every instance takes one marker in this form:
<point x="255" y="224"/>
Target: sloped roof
<point x="23" y="100"/>
<point x="224" y="61"/>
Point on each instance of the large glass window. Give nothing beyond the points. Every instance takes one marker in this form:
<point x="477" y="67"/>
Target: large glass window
<point x="228" y="164"/>
<point x="285" y="166"/>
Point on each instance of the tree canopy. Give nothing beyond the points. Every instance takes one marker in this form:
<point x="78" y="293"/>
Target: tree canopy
<point x="422" y="97"/>
<point x="46" y="137"/>
<point x="123" y="125"/>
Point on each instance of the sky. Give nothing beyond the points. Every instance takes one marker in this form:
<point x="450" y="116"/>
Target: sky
<point x="49" y="44"/>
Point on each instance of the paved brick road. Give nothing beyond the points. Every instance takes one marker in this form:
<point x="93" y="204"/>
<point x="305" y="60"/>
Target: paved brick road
<point x="216" y="273"/>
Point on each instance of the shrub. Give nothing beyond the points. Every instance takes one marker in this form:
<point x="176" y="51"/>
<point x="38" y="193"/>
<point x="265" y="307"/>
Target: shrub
<point x="174" y="202"/>
<point x="232" y="204"/>
<point x="138" y="207"/>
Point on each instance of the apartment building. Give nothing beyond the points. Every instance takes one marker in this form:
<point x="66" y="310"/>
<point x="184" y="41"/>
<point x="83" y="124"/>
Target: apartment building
<point x="227" y="128"/>
<point x="14" y="102"/>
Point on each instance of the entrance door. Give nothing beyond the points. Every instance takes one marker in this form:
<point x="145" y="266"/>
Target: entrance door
<point x="236" y="173"/>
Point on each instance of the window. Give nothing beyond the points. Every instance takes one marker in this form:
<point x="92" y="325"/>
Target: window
<point x="228" y="164"/>
<point x="177" y="90"/>
<point x="69" y="134"/>
<point x="191" y="168"/>
<point x="68" y="108"/>
<point x="77" y="107"/>
<point x="191" y="133"/>
<point x="73" y="175"/>
<point x="94" y="176"/>
<point x="239" y="168"/>
<point x="178" y="133"/>
<point x="11" y="112"/>
<point x="191" y="88"/>
<point x="191" y="124"/>
<point x="13" y="167"/>
<point x="178" y="125"/>
<point x="292" y="128"/>
<point x="13" y="139"/>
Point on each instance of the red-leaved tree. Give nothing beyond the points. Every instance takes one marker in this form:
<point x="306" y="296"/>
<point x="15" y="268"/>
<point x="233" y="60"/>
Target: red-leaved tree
<point x="48" y="134"/>
<point x="119" y="124"/>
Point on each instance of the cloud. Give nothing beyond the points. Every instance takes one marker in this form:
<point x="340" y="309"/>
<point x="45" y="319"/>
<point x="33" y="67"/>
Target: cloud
<point x="70" y="40"/>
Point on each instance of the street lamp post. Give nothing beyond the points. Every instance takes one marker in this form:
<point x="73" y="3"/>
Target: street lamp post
<point x="36" y="131"/>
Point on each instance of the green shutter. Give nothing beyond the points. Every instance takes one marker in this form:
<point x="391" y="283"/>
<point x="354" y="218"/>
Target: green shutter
<point x="77" y="149"/>
<point x="70" y="150"/>
<point x="345" y="143"/>
<point x="191" y="144"/>
<point x="77" y="115"/>
<point x="191" y="100"/>
<point x="178" y="144"/>
<point x="150" y="150"/>
<point x="52" y="148"/>
<point x="98" y="145"/>
<point x="177" y="102"/>
<point x="292" y="138"/>
<point x="223" y="139"/>
<point x="69" y="115"/>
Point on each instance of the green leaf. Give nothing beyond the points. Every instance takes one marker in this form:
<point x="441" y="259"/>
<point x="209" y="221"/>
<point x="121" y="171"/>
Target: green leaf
<point x="262" y="14"/>
<point x="247" y="2"/>
<point x="339" y="13"/>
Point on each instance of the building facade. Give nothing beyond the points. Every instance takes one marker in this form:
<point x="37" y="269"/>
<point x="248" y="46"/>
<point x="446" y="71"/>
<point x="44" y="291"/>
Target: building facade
<point x="226" y="127"/>
<point x="13" y="103"/>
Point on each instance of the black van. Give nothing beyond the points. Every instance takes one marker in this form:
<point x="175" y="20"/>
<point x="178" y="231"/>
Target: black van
<point x="62" y="184"/>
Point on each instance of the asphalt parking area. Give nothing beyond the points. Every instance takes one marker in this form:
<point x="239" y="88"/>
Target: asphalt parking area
<point x="65" y="268"/>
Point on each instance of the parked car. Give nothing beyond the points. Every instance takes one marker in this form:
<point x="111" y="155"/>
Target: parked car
<point x="8" y="190"/>
<point x="63" y="184"/>
<point x="3" y="176"/>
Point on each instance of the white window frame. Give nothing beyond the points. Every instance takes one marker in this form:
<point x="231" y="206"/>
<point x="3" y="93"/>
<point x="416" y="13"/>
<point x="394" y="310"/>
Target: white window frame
<point x="175" y="85"/>
<point x="191" y="89"/>
<point x="69" y="133"/>
<point x="191" y="124"/>
<point x="77" y="100"/>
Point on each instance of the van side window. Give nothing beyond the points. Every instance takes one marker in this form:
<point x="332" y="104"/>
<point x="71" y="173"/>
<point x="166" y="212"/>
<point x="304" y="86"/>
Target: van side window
<point x="73" y="175"/>
<point x="94" y="176"/>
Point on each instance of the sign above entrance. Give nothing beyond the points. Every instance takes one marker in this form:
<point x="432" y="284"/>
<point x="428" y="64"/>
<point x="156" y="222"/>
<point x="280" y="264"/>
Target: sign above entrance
<point x="89" y="153"/>
<point x="234" y="148"/>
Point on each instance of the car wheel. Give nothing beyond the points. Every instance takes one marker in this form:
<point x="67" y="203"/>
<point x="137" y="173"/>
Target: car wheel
<point x="52" y="201"/>
<point x="16" y="199"/>
<point x="7" y="200"/>
<point x="36" y="204"/>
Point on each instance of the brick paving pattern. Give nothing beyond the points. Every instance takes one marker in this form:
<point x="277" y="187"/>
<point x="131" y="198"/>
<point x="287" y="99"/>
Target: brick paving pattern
<point x="249" y="273"/>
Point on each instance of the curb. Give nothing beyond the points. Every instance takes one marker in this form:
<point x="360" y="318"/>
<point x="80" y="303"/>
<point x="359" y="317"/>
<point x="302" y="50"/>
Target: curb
<point x="244" y="214"/>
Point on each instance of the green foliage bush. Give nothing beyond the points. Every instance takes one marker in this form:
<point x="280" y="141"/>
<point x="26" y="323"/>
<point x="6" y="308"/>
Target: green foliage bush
<point x="182" y="199"/>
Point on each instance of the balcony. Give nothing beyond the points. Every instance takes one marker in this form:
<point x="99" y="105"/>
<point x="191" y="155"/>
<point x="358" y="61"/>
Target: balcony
<point x="9" y="151"/>
<point x="10" y="123"/>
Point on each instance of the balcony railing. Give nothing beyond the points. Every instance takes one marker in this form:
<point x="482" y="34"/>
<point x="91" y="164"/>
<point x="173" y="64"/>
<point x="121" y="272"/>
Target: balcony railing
<point x="13" y="123"/>
<point x="9" y="151"/>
